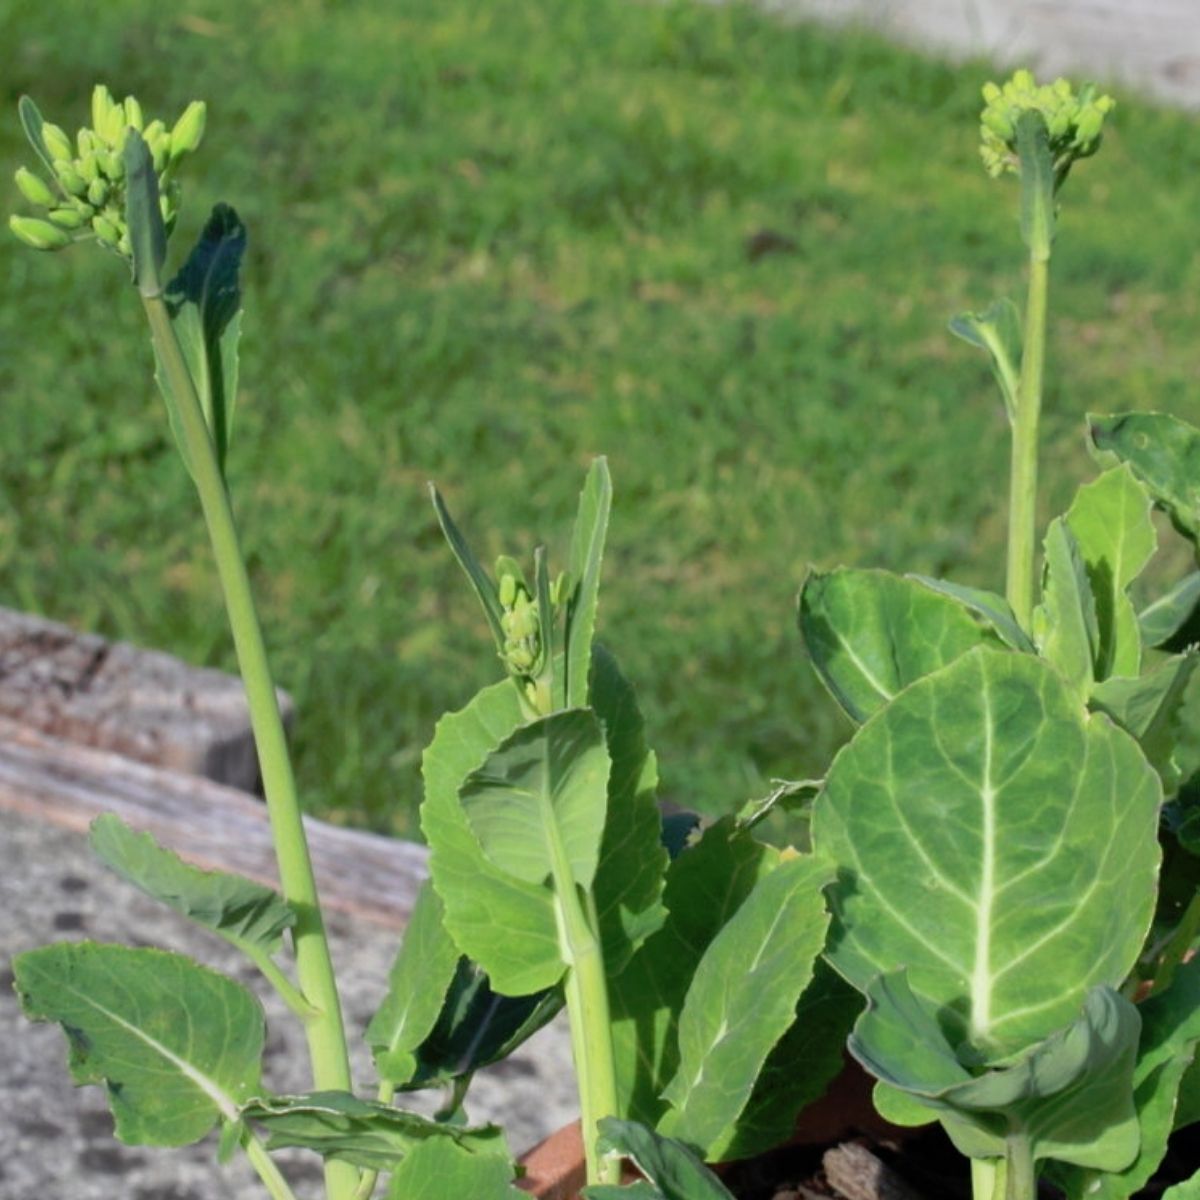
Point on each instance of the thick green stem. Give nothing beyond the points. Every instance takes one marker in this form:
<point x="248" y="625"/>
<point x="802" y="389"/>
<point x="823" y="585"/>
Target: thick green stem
<point x="268" y="1172"/>
<point x="1022" y="520"/>
<point x="314" y="969"/>
<point x="987" y="1179"/>
<point x="1020" y="1172"/>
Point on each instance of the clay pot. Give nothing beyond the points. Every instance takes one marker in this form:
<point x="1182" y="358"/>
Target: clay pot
<point x="554" y="1168"/>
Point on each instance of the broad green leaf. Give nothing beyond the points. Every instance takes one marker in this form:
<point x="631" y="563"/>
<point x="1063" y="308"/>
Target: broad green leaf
<point x="243" y="912"/>
<point x="1189" y="1189"/>
<point x="485" y="589"/>
<point x="439" y="1170"/>
<point x="870" y="634"/>
<point x="993" y="609"/>
<point x="367" y="1133"/>
<point x="633" y="861"/>
<point x="442" y="1170"/>
<point x="996" y="330"/>
<point x="1187" y="1104"/>
<point x="537" y="803"/>
<point x="1150" y="707"/>
<point x="1037" y="184"/>
<point x="741" y="1001"/>
<point x="587" y="551"/>
<point x="419" y="981"/>
<point x="638" y="1190"/>
<point x="147" y="233"/>
<point x="178" y="1046"/>
<point x="996" y="840"/>
<point x="1064" y="624"/>
<point x="477" y="1027"/>
<point x="1169" y="623"/>
<point x="1164" y="454"/>
<point x="669" y="1165"/>
<point x="504" y="924"/>
<point x="31" y="123"/>
<point x="205" y="303"/>
<point x="787" y="795"/>
<point x="1071" y="1094"/>
<point x="1110" y="518"/>
<point x="800" y="1066"/>
<point x="705" y="886"/>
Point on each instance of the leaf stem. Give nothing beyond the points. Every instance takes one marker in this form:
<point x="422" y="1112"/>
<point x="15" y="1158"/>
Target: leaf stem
<point x="314" y="968"/>
<point x="264" y="1164"/>
<point x="287" y="990"/>
<point x="1019" y="1169"/>
<point x="1022" y="522"/>
<point x="987" y="1179"/>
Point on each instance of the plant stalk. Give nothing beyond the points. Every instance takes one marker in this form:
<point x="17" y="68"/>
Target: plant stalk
<point x="314" y="968"/>
<point x="1019" y="1169"/>
<point x="1022" y="520"/>
<point x="268" y="1172"/>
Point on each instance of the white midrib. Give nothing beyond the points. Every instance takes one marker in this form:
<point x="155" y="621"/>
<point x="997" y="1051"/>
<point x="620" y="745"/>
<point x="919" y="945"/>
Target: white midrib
<point x="224" y="1102"/>
<point x="981" y="977"/>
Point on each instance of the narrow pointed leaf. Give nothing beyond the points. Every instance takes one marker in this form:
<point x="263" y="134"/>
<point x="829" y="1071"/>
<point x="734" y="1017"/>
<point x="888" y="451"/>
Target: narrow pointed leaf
<point x="870" y="634"/>
<point x="241" y="911"/>
<point x="668" y="1164"/>
<point x="544" y="787"/>
<point x="439" y="1170"/>
<point x="485" y="589"/>
<point x="786" y="795"/>
<point x="991" y="608"/>
<point x="1065" y="624"/>
<point x="31" y="123"/>
<point x="997" y="331"/>
<point x="741" y="1001"/>
<point x="367" y="1133"/>
<point x="205" y="303"/>
<point x="586" y="554"/>
<point x="147" y="233"/>
<point x="705" y="886"/>
<point x="1171" y="621"/>
<point x="1110" y="519"/>
<point x="477" y="1027"/>
<point x="998" y="842"/>
<point x="418" y="983"/>
<point x="504" y="924"/>
<point x="178" y="1046"/>
<point x="633" y="861"/>
<point x="1164" y="453"/>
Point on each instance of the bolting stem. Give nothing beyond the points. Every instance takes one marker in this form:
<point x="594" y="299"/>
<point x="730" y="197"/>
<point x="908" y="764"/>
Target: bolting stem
<point x="314" y="968"/>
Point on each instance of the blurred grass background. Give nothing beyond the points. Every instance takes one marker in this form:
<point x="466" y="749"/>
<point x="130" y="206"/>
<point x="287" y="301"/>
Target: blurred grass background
<point x="491" y="241"/>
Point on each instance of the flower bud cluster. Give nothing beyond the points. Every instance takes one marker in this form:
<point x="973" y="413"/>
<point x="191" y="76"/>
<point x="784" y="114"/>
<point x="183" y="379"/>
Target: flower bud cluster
<point x="520" y="624"/>
<point x="1074" y="121"/>
<point x="86" y="195"/>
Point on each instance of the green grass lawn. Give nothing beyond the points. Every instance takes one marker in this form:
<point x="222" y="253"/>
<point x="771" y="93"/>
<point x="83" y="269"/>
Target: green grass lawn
<point x="489" y="241"/>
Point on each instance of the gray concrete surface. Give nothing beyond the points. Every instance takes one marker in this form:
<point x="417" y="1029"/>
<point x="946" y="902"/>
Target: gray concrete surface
<point x="1150" y="46"/>
<point x="56" y="1141"/>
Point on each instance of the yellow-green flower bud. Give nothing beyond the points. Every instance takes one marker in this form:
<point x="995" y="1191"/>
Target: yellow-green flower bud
<point x="133" y="113"/>
<point x="34" y="188"/>
<point x="166" y="206"/>
<point x="97" y="193"/>
<point x="111" y="165"/>
<point x="70" y="178"/>
<point x="41" y="235"/>
<point x="508" y="591"/>
<point x="88" y="167"/>
<point x="188" y="130"/>
<point x="102" y="110"/>
<point x="125" y="246"/>
<point x="106" y="231"/>
<point x="67" y="218"/>
<point x="57" y="143"/>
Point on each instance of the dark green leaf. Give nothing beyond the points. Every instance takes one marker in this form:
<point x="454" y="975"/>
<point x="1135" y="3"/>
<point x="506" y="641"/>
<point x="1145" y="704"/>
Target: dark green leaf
<point x="997" y="841"/>
<point x="1037" y="184"/>
<point x="205" y="303"/>
<point x="870" y="634"/>
<point x="997" y="330"/>
<point x="243" y="912"/>
<point x="178" y="1046"/>
<point x="1172" y="622"/>
<point x="485" y="589"/>
<point x="147" y="233"/>
<point x="587" y="551"/>
<point x="1065" y="627"/>
<point x="638" y="1190"/>
<point x="993" y="609"/>
<point x="787" y="795"/>
<point x="31" y="123"/>
<point x="544" y="787"/>
<point x="669" y="1165"/>
<point x="741" y="1001"/>
<point x="705" y="886"/>
<point x="504" y="924"/>
<point x="419" y="981"/>
<point x="1110" y="518"/>
<point x="1164" y="453"/>
<point x="364" y="1132"/>
<point x="442" y="1170"/>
